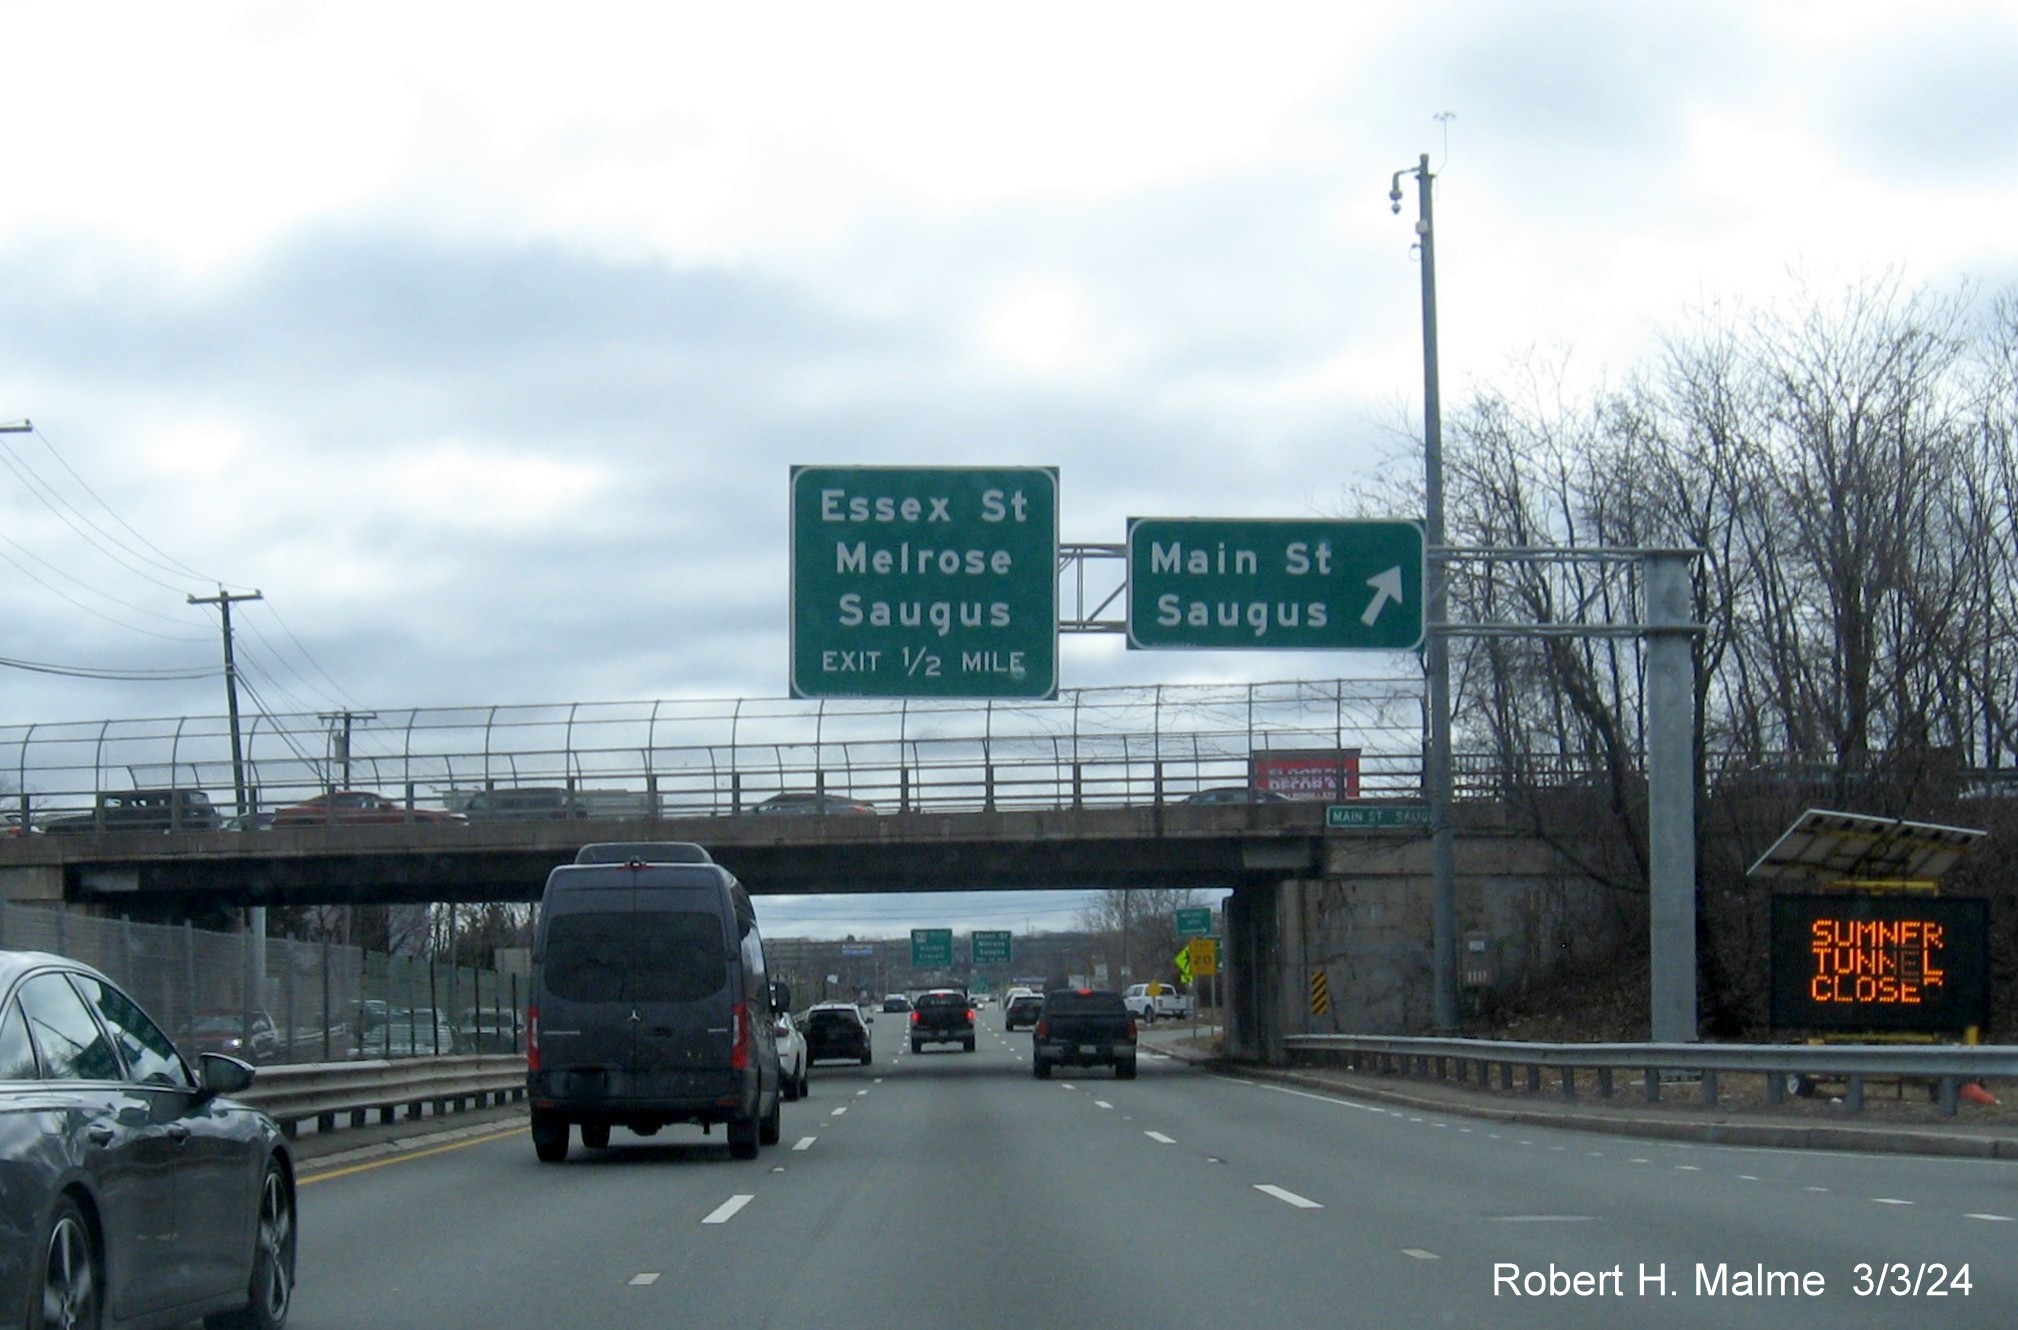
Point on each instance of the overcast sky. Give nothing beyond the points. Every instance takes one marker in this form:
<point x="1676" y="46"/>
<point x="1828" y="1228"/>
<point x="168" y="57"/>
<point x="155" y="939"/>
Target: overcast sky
<point x="480" y="339"/>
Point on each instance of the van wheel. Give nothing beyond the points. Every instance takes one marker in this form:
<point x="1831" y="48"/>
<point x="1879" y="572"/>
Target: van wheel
<point x="742" y="1138"/>
<point x="772" y="1127"/>
<point x="550" y="1137"/>
<point x="596" y="1135"/>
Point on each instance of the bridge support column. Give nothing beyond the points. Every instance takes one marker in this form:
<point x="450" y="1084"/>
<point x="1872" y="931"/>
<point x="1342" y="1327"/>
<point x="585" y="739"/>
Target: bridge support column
<point x="1262" y="941"/>
<point x="32" y="882"/>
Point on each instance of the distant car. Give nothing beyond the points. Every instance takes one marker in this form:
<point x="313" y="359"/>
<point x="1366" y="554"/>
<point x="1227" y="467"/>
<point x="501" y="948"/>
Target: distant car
<point x="15" y="825"/>
<point x="136" y="1192"/>
<point x="942" y="1016"/>
<point x="792" y="1059"/>
<point x="411" y="1033"/>
<point x="141" y="810"/>
<point x="248" y="1036"/>
<point x="1237" y="794"/>
<point x="526" y="803"/>
<point x="490" y="1030"/>
<point x="811" y="803"/>
<point x="896" y="1002"/>
<point x="1022" y="1011"/>
<point x="356" y="808"/>
<point x="250" y="822"/>
<point x="835" y="1031"/>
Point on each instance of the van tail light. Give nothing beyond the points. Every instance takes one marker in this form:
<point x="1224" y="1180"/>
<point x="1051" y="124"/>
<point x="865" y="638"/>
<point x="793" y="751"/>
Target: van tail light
<point x="532" y="1038"/>
<point x="739" y="1046"/>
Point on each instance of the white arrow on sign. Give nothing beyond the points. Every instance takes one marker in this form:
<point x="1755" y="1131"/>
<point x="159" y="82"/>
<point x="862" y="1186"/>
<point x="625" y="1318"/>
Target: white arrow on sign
<point x="1386" y="586"/>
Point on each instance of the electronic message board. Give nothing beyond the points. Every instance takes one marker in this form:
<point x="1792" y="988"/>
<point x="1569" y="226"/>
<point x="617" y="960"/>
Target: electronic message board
<point x="1863" y="961"/>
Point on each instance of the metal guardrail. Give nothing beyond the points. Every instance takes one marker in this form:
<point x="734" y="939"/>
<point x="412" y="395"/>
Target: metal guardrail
<point x="323" y="1092"/>
<point x="1785" y="1066"/>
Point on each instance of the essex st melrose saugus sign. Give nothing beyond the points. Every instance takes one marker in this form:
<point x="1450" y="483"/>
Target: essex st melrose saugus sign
<point x="924" y="582"/>
<point x="1274" y="583"/>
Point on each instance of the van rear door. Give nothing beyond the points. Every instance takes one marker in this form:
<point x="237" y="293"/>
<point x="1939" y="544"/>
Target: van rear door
<point x="636" y="979"/>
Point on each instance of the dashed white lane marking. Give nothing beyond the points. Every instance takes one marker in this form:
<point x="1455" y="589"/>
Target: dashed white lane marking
<point x="1280" y="1194"/>
<point x="728" y="1209"/>
<point x="1544" y="1219"/>
<point x="1160" y="1138"/>
<point x="1102" y="1103"/>
<point x="640" y="1280"/>
<point x="1688" y="1168"/>
<point x="1889" y="1200"/>
<point x="1814" y="1189"/>
<point x="1993" y="1219"/>
<point x="860" y="1093"/>
<point x="1419" y="1254"/>
<point x="804" y="1143"/>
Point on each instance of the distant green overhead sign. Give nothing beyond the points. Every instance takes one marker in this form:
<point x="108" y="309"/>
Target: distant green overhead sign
<point x="924" y="582"/>
<point x="991" y="946"/>
<point x="1194" y="922"/>
<point x="932" y="948"/>
<point x="1274" y="584"/>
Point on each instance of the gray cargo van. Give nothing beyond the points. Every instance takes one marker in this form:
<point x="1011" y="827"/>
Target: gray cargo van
<point x="650" y="1005"/>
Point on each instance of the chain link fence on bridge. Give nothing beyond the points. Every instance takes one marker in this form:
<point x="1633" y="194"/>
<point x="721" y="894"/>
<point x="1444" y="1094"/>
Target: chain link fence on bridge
<point x="283" y="1000"/>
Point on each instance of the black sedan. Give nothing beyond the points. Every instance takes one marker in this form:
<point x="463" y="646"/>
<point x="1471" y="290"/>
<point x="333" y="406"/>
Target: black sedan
<point x="135" y="1193"/>
<point x="835" y="1030"/>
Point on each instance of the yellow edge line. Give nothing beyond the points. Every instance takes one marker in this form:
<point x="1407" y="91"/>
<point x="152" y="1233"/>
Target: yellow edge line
<point x="406" y="1155"/>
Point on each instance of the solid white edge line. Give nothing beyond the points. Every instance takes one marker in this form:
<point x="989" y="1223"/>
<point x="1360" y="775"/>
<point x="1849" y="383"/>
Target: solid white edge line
<point x="1282" y="1194"/>
<point x="728" y="1209"/>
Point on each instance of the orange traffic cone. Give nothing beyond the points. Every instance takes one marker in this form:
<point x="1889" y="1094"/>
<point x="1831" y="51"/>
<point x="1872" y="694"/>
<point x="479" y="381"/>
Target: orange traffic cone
<point x="1976" y="1094"/>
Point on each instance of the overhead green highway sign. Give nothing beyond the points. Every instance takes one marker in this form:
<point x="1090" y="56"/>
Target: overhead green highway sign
<point x="1283" y="584"/>
<point x="932" y="948"/>
<point x="1194" y="922"/>
<point x="991" y="946"/>
<point x="924" y="582"/>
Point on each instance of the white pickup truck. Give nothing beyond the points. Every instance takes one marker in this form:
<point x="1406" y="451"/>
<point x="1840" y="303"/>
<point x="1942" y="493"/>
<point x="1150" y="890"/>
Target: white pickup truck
<point x="1154" y="1002"/>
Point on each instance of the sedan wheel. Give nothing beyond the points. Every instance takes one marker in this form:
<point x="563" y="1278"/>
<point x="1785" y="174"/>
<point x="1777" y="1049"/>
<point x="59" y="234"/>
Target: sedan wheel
<point x="271" y="1292"/>
<point x="69" y="1296"/>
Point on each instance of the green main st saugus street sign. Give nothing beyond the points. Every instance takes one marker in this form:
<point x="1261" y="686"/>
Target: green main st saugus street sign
<point x="924" y="582"/>
<point x="1274" y="584"/>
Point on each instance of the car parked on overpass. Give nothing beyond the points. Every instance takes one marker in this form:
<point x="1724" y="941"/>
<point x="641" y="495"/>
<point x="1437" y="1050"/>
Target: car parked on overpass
<point x="136" y="1193"/>
<point x="356" y="808"/>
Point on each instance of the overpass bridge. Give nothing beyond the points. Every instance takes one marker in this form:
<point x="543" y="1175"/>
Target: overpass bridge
<point x="1087" y="790"/>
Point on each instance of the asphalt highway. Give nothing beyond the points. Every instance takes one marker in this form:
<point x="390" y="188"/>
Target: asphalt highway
<point x="952" y="1191"/>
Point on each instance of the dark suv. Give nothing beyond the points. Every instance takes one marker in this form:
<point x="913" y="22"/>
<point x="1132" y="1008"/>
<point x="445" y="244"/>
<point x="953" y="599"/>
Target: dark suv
<point x="835" y="1030"/>
<point x="1023" y="1011"/>
<point x="141" y="810"/>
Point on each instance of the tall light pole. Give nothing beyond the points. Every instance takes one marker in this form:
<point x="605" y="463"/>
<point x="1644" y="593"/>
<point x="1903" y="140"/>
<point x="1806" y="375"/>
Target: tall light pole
<point x="1436" y="776"/>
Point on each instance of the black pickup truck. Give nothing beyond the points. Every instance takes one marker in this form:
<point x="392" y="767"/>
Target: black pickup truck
<point x="942" y="1016"/>
<point x="1083" y="1027"/>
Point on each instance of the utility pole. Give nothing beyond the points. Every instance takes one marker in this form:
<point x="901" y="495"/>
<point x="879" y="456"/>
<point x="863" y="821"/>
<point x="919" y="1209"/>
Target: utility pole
<point x="342" y="737"/>
<point x="1436" y="615"/>
<point x="224" y="600"/>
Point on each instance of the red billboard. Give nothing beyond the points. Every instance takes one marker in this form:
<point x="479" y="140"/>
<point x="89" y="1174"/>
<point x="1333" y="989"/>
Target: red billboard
<point x="1322" y="775"/>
